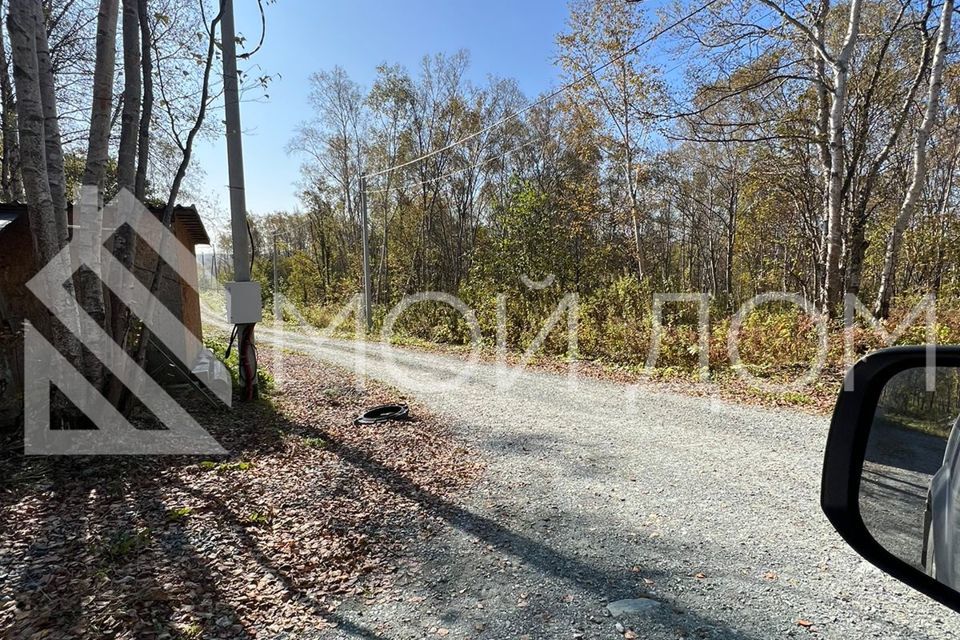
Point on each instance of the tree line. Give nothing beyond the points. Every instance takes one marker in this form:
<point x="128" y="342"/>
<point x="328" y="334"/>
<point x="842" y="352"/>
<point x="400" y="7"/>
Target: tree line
<point x="756" y="146"/>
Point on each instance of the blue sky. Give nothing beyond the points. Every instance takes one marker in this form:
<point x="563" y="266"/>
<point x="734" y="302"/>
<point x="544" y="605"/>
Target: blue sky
<point x="510" y="38"/>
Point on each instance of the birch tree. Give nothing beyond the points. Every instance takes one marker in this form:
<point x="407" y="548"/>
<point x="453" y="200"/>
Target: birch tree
<point x="618" y="93"/>
<point x="332" y="140"/>
<point x="146" y="112"/>
<point x="130" y="114"/>
<point x="185" y="146"/>
<point x="88" y="216"/>
<point x="124" y="245"/>
<point x="10" y="183"/>
<point x="98" y="143"/>
<point x="862" y="196"/>
<point x="839" y="65"/>
<point x="39" y="133"/>
<point x="919" y="166"/>
<point x="53" y="144"/>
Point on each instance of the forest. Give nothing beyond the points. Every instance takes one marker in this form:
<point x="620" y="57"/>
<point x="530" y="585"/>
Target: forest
<point x="729" y="148"/>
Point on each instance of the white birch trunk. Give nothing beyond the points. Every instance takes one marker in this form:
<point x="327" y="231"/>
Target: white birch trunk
<point x="130" y="115"/>
<point x="919" y="167"/>
<point x="834" y="238"/>
<point x="100" y="113"/>
<point x="146" y="114"/>
<point x="89" y="215"/>
<point x="48" y="222"/>
<point x="124" y="241"/>
<point x="56" y="175"/>
<point x="12" y="185"/>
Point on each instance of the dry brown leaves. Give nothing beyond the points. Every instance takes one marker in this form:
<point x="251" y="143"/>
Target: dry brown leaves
<point x="307" y="510"/>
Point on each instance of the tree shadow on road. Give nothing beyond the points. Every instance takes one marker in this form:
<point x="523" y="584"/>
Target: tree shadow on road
<point x="548" y="560"/>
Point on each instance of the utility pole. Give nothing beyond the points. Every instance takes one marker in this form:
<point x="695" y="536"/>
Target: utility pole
<point x="276" y="290"/>
<point x="365" y="238"/>
<point x="244" y="305"/>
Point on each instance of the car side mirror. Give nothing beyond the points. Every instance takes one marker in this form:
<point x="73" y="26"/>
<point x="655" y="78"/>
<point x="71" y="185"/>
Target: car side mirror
<point x="891" y="473"/>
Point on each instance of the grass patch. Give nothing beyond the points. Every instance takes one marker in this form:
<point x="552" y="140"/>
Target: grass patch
<point x="315" y="443"/>
<point x="191" y="632"/>
<point x="258" y="518"/>
<point x="125" y="543"/>
<point x="929" y="427"/>
<point x="220" y="467"/>
<point x="179" y="513"/>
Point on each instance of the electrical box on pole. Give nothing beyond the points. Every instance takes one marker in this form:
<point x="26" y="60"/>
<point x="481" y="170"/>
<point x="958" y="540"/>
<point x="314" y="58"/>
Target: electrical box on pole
<point x="244" y="304"/>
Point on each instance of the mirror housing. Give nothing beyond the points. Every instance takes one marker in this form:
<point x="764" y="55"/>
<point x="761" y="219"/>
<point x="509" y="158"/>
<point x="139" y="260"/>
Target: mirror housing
<point x="846" y="450"/>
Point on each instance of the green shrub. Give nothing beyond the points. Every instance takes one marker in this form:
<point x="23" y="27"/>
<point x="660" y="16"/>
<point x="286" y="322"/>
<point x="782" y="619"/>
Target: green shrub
<point x="218" y="345"/>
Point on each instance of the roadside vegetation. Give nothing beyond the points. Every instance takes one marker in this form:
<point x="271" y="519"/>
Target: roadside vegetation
<point x="778" y="342"/>
<point x="905" y="402"/>
<point x="776" y="151"/>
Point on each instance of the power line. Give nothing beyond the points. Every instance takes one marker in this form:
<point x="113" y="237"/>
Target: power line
<point x="590" y="74"/>
<point x="293" y="223"/>
<point x="454" y="173"/>
<point x="549" y="96"/>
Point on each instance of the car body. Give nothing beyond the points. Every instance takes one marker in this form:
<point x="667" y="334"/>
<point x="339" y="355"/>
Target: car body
<point x="844" y="466"/>
<point x="941" y="520"/>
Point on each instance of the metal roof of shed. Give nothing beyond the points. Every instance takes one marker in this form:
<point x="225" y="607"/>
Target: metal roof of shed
<point x="186" y="214"/>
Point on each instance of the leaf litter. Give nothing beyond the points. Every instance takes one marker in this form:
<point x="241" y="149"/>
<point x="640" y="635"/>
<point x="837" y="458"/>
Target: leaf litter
<point x="307" y="510"/>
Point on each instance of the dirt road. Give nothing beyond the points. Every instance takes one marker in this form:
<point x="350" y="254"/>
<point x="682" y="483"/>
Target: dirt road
<point x="598" y="492"/>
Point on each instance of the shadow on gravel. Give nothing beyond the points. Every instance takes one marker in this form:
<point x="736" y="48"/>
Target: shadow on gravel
<point x="550" y="561"/>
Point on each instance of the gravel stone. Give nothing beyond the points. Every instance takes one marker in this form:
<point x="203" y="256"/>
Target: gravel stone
<point x="631" y="607"/>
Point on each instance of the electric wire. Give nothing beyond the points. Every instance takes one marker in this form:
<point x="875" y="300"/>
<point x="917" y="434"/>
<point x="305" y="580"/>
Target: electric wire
<point x="293" y="224"/>
<point x="551" y="95"/>
<point x="501" y="121"/>
<point x="450" y="174"/>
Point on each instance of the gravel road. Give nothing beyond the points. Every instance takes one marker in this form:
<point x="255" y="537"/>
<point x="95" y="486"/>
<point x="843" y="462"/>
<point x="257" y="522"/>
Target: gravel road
<point x="597" y="492"/>
<point x="899" y="466"/>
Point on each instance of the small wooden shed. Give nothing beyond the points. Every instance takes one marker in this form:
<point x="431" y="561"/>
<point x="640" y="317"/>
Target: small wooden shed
<point x="17" y="303"/>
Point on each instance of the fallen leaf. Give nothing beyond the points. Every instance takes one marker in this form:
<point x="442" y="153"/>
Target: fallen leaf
<point x="320" y="536"/>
